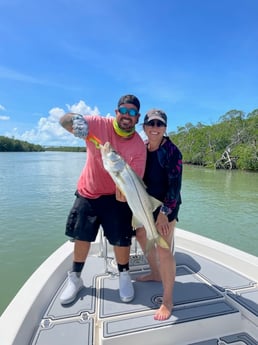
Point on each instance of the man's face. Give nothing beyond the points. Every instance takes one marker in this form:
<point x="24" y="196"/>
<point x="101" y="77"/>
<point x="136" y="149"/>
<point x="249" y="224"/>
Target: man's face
<point x="127" y="116"/>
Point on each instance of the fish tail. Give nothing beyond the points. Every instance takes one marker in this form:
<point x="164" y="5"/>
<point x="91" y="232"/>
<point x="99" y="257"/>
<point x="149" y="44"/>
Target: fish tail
<point x="162" y="243"/>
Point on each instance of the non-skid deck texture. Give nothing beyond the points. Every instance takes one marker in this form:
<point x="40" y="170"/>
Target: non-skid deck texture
<point x="200" y="293"/>
<point x="239" y="338"/>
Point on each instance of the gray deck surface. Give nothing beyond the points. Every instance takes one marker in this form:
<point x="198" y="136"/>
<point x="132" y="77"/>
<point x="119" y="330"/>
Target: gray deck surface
<point x="203" y="290"/>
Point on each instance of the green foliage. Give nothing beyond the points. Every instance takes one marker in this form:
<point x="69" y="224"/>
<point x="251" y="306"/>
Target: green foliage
<point x="66" y="148"/>
<point x="14" y="145"/>
<point x="230" y="143"/>
<point x="247" y="157"/>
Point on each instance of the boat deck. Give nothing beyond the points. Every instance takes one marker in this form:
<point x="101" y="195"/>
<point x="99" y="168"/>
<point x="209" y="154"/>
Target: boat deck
<point x="213" y="305"/>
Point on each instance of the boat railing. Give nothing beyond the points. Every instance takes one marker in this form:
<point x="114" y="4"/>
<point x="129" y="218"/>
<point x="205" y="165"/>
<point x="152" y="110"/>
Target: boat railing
<point x="137" y="257"/>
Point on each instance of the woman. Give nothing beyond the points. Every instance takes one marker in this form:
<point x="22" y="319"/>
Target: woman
<point x="163" y="176"/>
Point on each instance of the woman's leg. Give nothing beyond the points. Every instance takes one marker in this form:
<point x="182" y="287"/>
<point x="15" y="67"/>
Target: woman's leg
<point x="167" y="269"/>
<point x="163" y="268"/>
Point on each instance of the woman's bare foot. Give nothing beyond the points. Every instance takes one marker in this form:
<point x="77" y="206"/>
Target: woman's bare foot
<point x="149" y="277"/>
<point x="163" y="313"/>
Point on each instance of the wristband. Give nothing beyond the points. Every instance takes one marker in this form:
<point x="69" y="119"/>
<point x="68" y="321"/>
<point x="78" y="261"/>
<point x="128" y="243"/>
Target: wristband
<point x="165" y="210"/>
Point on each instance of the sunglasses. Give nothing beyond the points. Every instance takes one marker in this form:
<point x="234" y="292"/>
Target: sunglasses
<point x="131" y="111"/>
<point x="156" y="123"/>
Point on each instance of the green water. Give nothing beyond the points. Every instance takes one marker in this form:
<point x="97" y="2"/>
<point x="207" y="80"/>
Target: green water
<point x="36" y="194"/>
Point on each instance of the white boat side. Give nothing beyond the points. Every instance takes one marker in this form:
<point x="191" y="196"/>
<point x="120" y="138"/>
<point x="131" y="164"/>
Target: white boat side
<point x="26" y="318"/>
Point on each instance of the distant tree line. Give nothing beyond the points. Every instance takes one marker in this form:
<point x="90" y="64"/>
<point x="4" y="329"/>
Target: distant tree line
<point x="66" y="148"/>
<point x="229" y="144"/>
<point x="15" y="145"/>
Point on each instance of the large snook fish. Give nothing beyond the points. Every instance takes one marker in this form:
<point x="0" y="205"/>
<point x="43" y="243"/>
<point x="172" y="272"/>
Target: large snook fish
<point x="131" y="185"/>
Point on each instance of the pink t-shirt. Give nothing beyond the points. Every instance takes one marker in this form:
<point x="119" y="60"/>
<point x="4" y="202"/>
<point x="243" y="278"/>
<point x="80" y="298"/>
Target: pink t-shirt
<point x="94" y="180"/>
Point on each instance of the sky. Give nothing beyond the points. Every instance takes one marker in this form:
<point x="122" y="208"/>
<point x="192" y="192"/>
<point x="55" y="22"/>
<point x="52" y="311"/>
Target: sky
<point x="194" y="59"/>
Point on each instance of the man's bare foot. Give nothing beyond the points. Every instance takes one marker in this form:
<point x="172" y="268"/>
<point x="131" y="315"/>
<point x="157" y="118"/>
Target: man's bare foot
<point x="149" y="277"/>
<point x="163" y="313"/>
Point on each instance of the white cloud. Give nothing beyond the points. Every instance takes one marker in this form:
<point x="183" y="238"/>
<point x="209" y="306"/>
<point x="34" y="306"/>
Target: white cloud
<point x="82" y="108"/>
<point x="49" y="132"/>
<point x="4" y="118"/>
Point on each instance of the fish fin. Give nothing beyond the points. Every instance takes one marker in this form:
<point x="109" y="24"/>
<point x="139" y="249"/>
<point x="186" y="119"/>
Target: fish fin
<point x="151" y="243"/>
<point x="155" y="203"/>
<point x="136" y="223"/>
<point x="162" y="243"/>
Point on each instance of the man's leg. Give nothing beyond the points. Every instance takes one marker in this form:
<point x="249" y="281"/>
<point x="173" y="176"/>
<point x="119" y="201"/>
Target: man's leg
<point x="81" y="250"/>
<point x="122" y="254"/>
<point x="75" y="283"/>
<point x="126" y="289"/>
<point x="83" y="226"/>
<point x="116" y="220"/>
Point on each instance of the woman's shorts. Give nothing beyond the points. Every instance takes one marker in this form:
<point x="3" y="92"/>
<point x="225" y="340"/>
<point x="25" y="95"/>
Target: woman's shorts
<point x="87" y="215"/>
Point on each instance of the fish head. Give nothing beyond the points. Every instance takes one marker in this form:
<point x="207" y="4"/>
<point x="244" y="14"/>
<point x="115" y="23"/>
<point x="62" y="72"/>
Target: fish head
<point x="112" y="161"/>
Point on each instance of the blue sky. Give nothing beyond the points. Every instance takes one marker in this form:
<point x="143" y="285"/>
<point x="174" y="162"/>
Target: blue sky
<point x="195" y="59"/>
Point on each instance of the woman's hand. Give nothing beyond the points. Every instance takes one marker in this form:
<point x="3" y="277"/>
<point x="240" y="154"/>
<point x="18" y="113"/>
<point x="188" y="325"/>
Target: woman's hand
<point x="162" y="224"/>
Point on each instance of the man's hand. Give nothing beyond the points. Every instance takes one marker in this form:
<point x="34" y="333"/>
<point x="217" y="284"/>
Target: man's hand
<point x="119" y="195"/>
<point x="80" y="126"/>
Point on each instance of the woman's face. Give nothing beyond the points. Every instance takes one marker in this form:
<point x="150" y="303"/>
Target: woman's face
<point x="155" y="130"/>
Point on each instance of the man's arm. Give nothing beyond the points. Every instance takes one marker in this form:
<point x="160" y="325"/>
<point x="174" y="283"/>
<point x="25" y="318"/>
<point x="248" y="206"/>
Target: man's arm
<point x="66" y="121"/>
<point x="76" y="124"/>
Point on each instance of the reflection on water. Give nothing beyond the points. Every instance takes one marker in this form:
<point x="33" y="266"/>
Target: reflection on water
<point x="37" y="193"/>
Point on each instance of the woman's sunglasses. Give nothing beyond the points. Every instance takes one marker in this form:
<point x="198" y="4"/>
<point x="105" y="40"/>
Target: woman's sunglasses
<point x="131" y="111"/>
<point x="155" y="123"/>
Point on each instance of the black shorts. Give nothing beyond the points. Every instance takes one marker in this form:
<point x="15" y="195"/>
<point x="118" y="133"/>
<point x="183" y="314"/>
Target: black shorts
<point x="87" y="215"/>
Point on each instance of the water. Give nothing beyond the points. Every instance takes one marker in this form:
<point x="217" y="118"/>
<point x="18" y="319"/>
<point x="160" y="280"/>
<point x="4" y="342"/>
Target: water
<point x="37" y="192"/>
<point x="221" y="205"/>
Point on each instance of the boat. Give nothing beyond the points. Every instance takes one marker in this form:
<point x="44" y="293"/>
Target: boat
<point x="215" y="299"/>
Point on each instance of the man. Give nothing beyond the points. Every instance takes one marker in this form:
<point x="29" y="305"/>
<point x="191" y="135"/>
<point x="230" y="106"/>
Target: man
<point x="98" y="201"/>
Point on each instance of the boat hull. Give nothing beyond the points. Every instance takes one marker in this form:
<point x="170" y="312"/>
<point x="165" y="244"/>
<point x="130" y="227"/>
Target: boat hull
<point x="215" y="300"/>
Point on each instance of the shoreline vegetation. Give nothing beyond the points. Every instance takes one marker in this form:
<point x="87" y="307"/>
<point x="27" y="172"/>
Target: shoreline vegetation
<point x="231" y="143"/>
